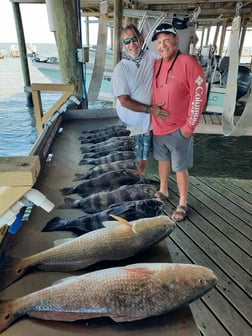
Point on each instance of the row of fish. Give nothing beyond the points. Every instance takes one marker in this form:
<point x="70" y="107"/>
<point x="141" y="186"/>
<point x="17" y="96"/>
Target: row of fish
<point x="122" y="219"/>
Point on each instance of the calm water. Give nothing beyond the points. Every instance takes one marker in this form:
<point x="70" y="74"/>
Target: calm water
<point x="214" y="155"/>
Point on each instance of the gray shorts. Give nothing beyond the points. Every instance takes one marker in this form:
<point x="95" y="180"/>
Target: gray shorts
<point x="174" y="148"/>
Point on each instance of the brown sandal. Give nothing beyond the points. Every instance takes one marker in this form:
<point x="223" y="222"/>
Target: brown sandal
<point x="180" y="211"/>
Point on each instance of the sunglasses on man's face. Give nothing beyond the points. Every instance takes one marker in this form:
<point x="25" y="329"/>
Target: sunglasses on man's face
<point x="129" y="39"/>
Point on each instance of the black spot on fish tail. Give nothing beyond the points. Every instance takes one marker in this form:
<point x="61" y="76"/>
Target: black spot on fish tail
<point x="11" y="270"/>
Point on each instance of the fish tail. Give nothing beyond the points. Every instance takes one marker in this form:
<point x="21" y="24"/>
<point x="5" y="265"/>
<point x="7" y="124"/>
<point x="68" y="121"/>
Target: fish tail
<point x="11" y="269"/>
<point x="55" y="224"/>
<point x="86" y="161"/>
<point x="8" y="314"/>
<point x="67" y="191"/>
<point x="69" y="203"/>
<point x="80" y="177"/>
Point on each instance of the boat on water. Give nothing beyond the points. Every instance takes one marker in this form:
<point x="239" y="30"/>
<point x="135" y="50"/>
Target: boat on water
<point x="50" y="67"/>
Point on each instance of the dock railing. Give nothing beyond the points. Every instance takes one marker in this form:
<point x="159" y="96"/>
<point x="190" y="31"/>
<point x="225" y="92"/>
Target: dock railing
<point x="37" y="88"/>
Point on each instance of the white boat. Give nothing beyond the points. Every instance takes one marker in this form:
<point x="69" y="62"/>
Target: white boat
<point x="14" y="51"/>
<point x="50" y="67"/>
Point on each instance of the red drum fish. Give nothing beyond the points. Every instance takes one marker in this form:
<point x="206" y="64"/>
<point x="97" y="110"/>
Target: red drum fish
<point x="127" y="293"/>
<point x="114" y="242"/>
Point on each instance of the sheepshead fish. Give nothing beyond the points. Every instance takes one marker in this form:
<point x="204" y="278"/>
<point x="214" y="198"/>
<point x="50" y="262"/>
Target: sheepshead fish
<point x="126" y="293"/>
<point x="102" y="200"/>
<point x="109" y="147"/>
<point x="115" y="242"/>
<point x="116" y="156"/>
<point x="95" y="171"/>
<point x="95" y="138"/>
<point x="128" y="210"/>
<point x="105" y="128"/>
<point x="102" y="152"/>
<point x="105" y="132"/>
<point x="105" y="182"/>
<point x="121" y="139"/>
<point x="109" y="141"/>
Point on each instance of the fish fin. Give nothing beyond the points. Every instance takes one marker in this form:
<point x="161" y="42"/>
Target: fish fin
<point x="58" y="242"/>
<point x="141" y="271"/>
<point x="62" y="316"/>
<point x="110" y="224"/>
<point x="126" y="318"/>
<point x="121" y="220"/>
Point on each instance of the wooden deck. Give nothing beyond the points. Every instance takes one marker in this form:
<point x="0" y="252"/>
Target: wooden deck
<point x="212" y="124"/>
<point x="217" y="234"/>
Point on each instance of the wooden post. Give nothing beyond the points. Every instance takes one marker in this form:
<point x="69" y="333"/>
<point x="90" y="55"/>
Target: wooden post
<point x="22" y="51"/>
<point x="118" y="10"/>
<point x="68" y="40"/>
<point x="222" y="40"/>
<point x="100" y="54"/>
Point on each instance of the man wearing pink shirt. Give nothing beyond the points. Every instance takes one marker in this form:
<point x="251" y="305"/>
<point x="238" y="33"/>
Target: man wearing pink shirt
<point x="178" y="86"/>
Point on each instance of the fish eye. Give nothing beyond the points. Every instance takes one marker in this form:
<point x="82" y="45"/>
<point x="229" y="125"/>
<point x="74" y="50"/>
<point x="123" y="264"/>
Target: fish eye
<point x="201" y="282"/>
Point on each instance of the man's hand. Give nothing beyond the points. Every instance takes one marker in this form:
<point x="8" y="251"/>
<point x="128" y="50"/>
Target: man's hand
<point x="185" y="134"/>
<point x="158" y="112"/>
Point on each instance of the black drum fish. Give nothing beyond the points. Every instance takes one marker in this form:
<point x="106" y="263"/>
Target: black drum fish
<point x="104" y="129"/>
<point x="116" y="156"/>
<point x="105" y="182"/>
<point x="95" y="138"/>
<point x="102" y="200"/>
<point x="128" y="210"/>
<point x="95" y="171"/>
<point x="110" y="146"/>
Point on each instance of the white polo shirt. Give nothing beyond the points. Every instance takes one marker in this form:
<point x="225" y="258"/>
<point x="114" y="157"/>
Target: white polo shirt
<point x="128" y="79"/>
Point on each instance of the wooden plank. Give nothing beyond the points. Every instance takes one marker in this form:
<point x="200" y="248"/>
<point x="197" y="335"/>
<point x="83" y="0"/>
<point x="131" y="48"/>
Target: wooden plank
<point x="221" y="258"/>
<point x="228" y="302"/>
<point x="220" y="239"/>
<point x="200" y="203"/>
<point x="10" y="195"/>
<point x="207" y="322"/>
<point x="224" y="190"/>
<point x="245" y="185"/>
<point x="241" y="189"/>
<point x="19" y="170"/>
<point x="222" y="207"/>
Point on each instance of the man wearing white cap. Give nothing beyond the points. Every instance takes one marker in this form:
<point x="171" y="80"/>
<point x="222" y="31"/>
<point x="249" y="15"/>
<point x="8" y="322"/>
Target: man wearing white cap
<point x="179" y="86"/>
